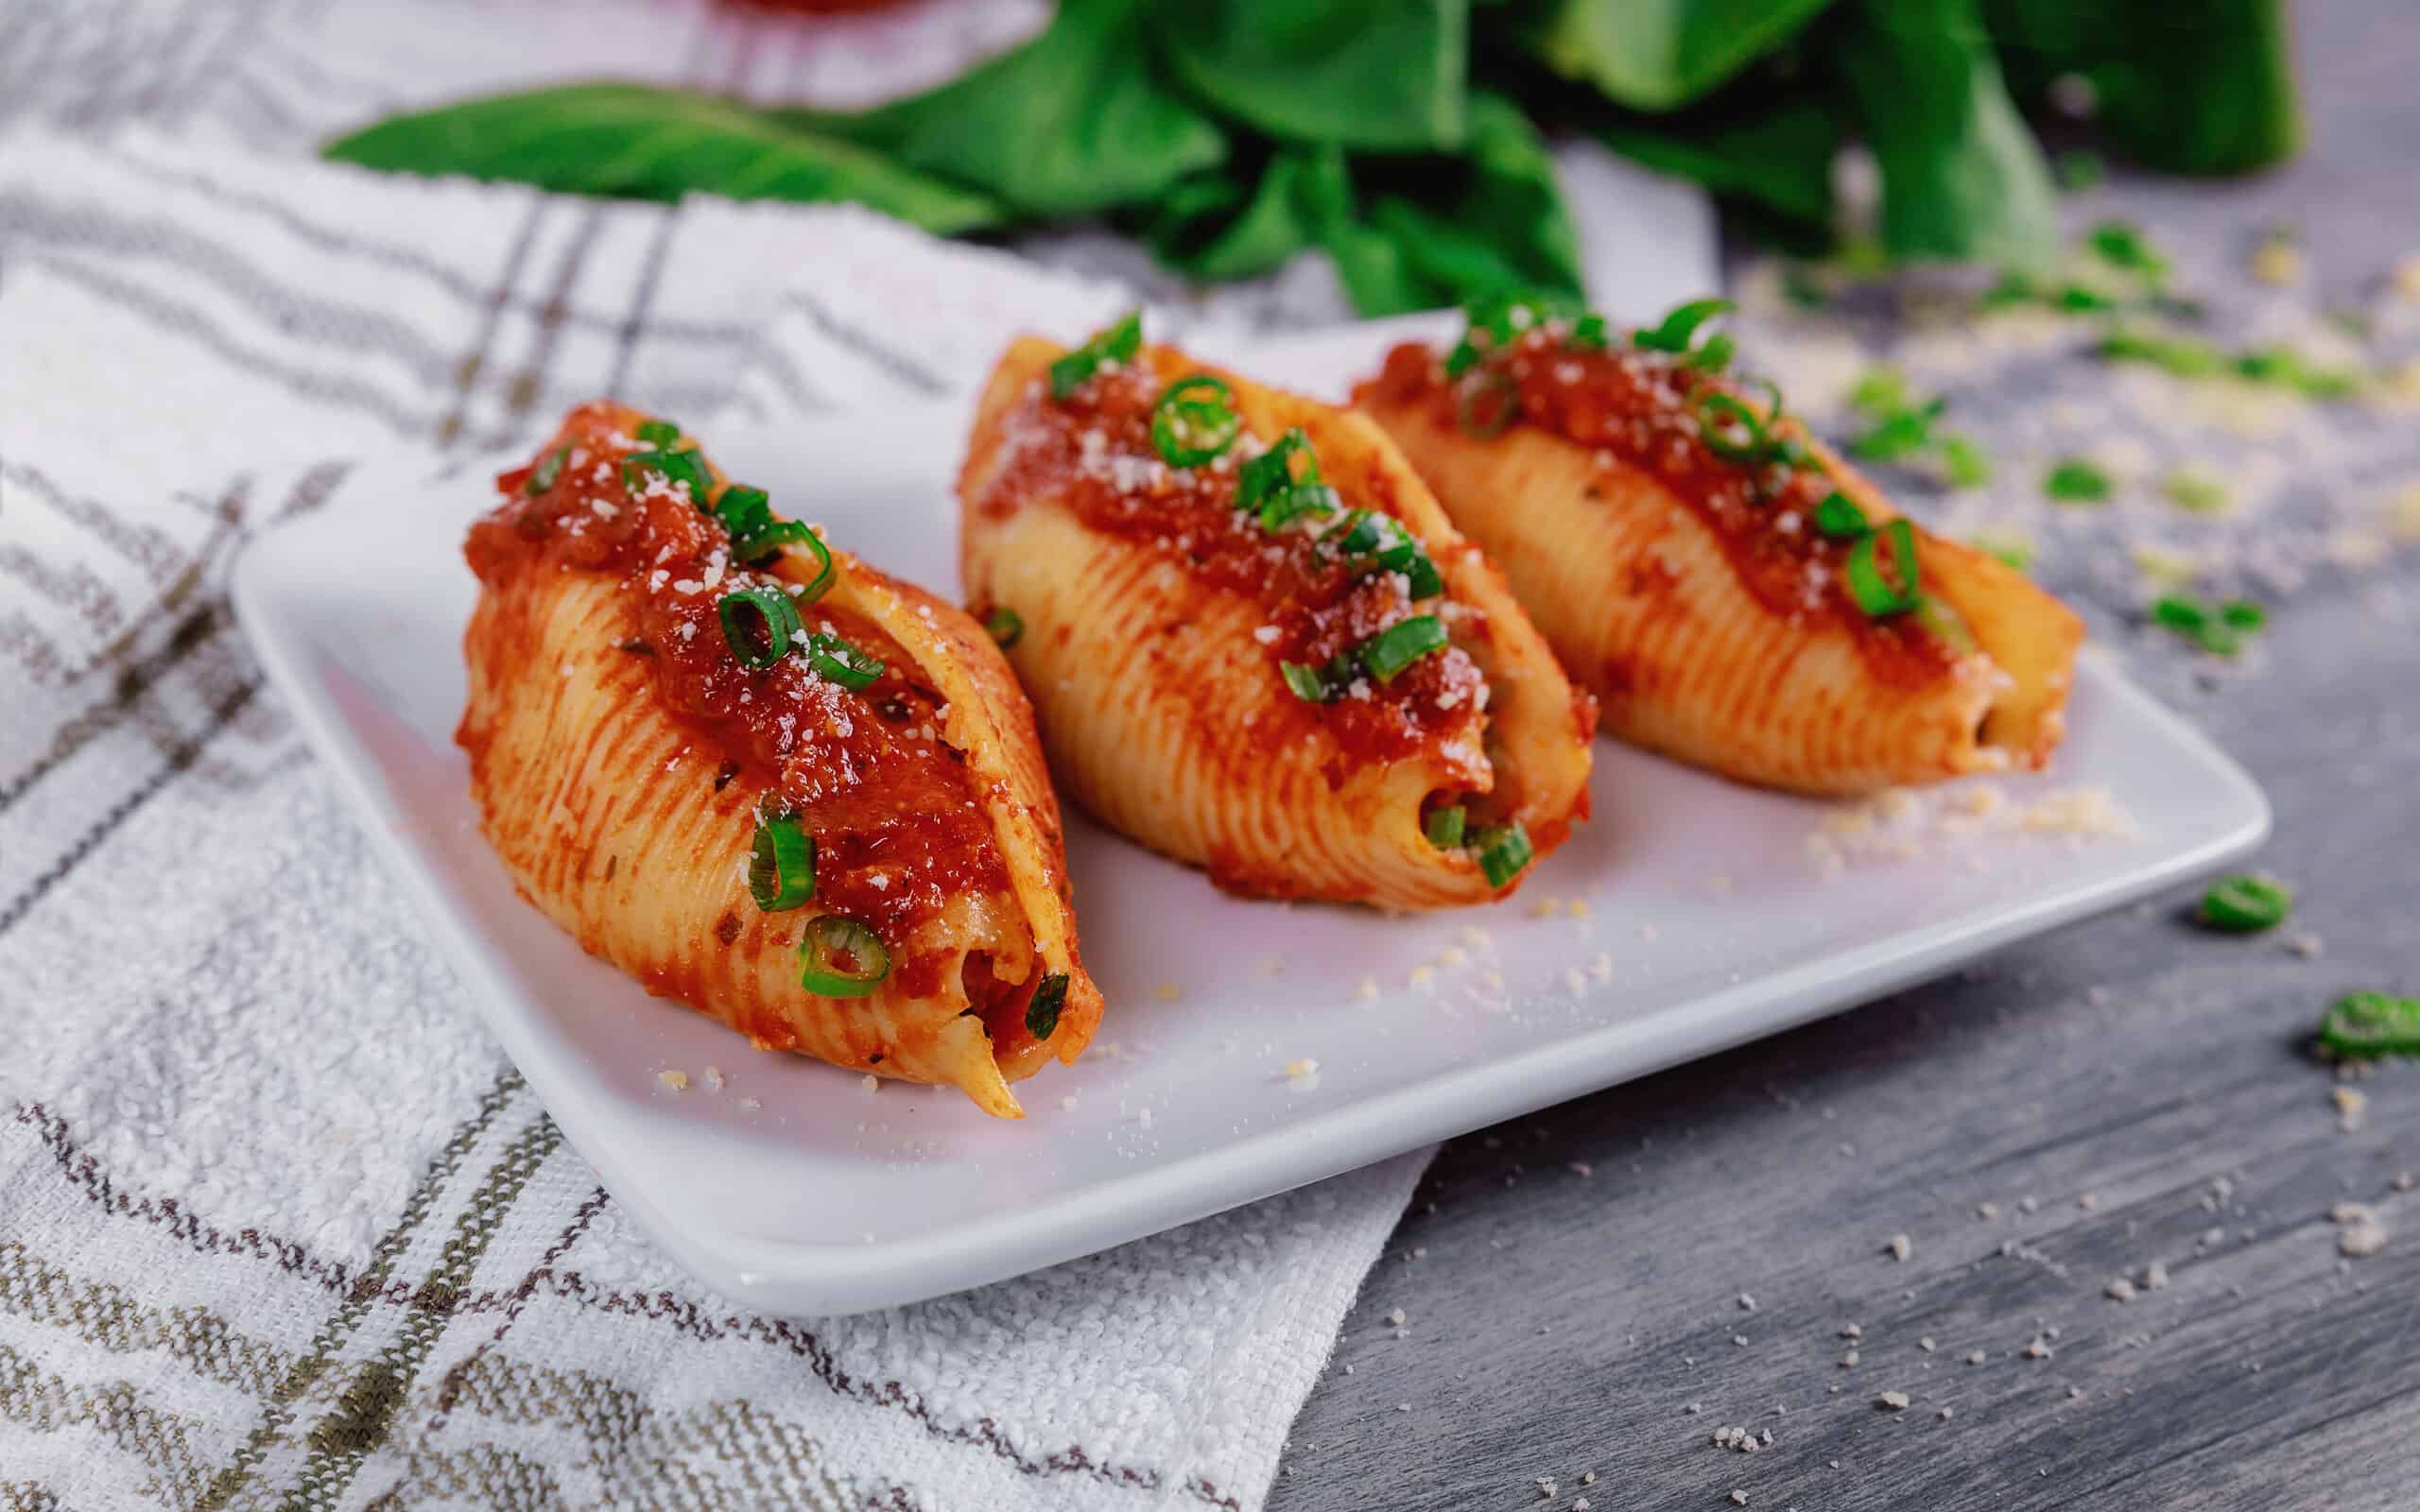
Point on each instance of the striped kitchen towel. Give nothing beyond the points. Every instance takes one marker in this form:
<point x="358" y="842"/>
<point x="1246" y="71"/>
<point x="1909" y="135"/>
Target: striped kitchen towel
<point x="278" y="1224"/>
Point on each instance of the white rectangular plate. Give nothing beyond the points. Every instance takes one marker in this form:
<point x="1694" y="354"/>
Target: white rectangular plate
<point x="794" y="1189"/>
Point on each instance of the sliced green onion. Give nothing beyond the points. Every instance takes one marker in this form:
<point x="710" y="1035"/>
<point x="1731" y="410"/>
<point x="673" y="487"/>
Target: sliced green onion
<point x="1004" y="625"/>
<point x="842" y="958"/>
<point x="821" y="583"/>
<point x="1445" y="826"/>
<point x="1370" y="542"/>
<point x="1194" y="420"/>
<point x="1680" y="327"/>
<point x="1273" y="471"/>
<point x="2075" y="481"/>
<point x="1400" y="644"/>
<point x="549" y="467"/>
<point x="659" y="433"/>
<point x="1118" y="342"/>
<point x="841" y="663"/>
<point x="2244" y="615"/>
<point x="2363" y="1024"/>
<point x="781" y="864"/>
<point x="745" y="510"/>
<point x="1717" y="412"/>
<point x="1503" y="850"/>
<point x="1714" y="356"/>
<point x="2244" y="905"/>
<point x="1880" y="392"/>
<point x="1313" y="500"/>
<point x="2212" y="632"/>
<point x="765" y="544"/>
<point x="1588" y="333"/>
<point x="2120" y="244"/>
<point x="1963" y="458"/>
<point x="1489" y="424"/>
<point x="685" y="466"/>
<point x="1838" y="518"/>
<point x="1042" y="1009"/>
<point x="1901" y="433"/>
<point x="1504" y="318"/>
<point x="1873" y="592"/>
<point x="2194" y="490"/>
<point x="779" y="622"/>
<point x="1309" y="684"/>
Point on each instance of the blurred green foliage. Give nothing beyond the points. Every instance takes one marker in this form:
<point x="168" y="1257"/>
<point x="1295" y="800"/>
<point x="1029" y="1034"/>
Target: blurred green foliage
<point x="1407" y="139"/>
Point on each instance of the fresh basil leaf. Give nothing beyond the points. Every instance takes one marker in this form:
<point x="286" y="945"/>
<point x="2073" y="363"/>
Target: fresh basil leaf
<point x="1072" y="123"/>
<point x="2208" y="92"/>
<point x="1962" y="175"/>
<point x="1215" y="228"/>
<point x="1779" y="156"/>
<point x="1380" y="76"/>
<point x="1659" y="55"/>
<point x="633" y="142"/>
<point x="1439" y="231"/>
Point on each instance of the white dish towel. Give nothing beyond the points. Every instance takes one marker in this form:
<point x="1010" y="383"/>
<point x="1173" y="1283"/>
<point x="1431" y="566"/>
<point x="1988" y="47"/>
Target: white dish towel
<point x="276" y="1217"/>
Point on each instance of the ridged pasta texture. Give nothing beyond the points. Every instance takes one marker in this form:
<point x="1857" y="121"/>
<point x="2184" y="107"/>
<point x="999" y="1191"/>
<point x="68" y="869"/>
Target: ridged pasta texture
<point x="628" y="820"/>
<point x="1152" y="641"/>
<point x="1647" y="605"/>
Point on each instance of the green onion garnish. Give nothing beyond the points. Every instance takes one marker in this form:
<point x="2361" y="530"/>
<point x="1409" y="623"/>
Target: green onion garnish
<point x="2363" y="1024"/>
<point x="1273" y="470"/>
<point x="1401" y="644"/>
<point x="685" y="466"/>
<point x="1503" y="850"/>
<point x="549" y="467"/>
<point x="1680" y="327"/>
<point x="842" y="958"/>
<point x="745" y="510"/>
<point x="1963" y="458"/>
<point x="1717" y="414"/>
<point x="762" y="644"/>
<point x="1042" y="1009"/>
<point x="1370" y="542"/>
<point x="1498" y="321"/>
<point x="659" y="433"/>
<point x="1194" y="420"/>
<point x="1269" y="484"/>
<point x="1004" y="625"/>
<point x="2120" y="244"/>
<point x="1118" y="342"/>
<point x="841" y="663"/>
<point x="781" y="864"/>
<point x="2075" y="481"/>
<point x="1309" y="684"/>
<point x="1444" y="827"/>
<point x="1839" y="517"/>
<point x="2243" y="905"/>
<point x="1588" y="333"/>
<point x="1880" y="392"/>
<point x="824" y="572"/>
<point x="1487" y="425"/>
<point x="1874" y="592"/>
<point x="1901" y="433"/>
<point x="2220" y="631"/>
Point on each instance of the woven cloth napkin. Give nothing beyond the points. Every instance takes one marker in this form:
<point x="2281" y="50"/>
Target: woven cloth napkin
<point x="277" y="1218"/>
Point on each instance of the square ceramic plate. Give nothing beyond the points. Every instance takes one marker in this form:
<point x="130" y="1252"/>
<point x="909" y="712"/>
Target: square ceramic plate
<point x="795" y="1191"/>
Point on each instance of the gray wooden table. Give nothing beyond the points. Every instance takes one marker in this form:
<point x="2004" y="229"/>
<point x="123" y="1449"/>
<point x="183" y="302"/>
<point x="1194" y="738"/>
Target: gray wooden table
<point x="2125" y="1092"/>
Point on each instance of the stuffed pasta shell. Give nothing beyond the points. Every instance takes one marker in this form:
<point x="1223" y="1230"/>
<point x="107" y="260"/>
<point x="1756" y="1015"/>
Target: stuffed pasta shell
<point x="1731" y="593"/>
<point x="762" y="778"/>
<point x="1255" y="642"/>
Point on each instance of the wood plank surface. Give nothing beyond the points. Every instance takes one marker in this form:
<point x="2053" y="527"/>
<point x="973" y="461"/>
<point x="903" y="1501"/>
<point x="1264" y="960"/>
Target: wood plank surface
<point x="2129" y="1092"/>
